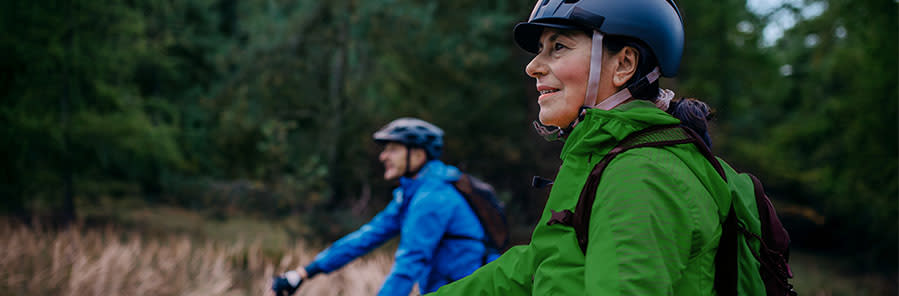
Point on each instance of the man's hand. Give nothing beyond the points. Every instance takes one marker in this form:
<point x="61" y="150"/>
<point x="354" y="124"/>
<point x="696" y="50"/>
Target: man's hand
<point x="286" y="284"/>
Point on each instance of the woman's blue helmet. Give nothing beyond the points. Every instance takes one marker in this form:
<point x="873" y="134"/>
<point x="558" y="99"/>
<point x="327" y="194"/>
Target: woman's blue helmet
<point x="413" y="132"/>
<point x="657" y="23"/>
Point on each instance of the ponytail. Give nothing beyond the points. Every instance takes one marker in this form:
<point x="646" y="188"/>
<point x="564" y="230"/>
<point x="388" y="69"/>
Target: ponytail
<point x="694" y="114"/>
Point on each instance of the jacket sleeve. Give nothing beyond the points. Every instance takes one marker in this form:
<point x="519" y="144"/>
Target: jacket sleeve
<point x="381" y="228"/>
<point x="640" y="228"/>
<point x="426" y="221"/>
<point x="510" y="274"/>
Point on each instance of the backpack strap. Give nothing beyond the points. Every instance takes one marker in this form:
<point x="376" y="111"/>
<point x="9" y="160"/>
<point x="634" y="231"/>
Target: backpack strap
<point x="774" y="240"/>
<point x="447" y="236"/>
<point x="657" y="136"/>
<point x="481" y="197"/>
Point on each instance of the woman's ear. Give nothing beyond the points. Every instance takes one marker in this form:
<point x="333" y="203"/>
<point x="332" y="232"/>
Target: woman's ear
<point x="626" y="66"/>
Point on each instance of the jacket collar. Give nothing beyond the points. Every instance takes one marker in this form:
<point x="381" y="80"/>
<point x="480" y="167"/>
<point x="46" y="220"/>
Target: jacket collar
<point x="433" y="169"/>
<point x="600" y="130"/>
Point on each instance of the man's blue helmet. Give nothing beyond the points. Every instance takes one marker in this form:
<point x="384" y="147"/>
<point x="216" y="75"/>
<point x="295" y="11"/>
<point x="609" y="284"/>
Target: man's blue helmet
<point x="657" y="23"/>
<point x="413" y="132"/>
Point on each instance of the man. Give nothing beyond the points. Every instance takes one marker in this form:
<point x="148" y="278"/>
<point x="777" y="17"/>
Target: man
<point x="441" y="239"/>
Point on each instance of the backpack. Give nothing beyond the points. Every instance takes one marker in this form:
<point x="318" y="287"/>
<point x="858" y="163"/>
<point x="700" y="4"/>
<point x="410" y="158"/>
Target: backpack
<point x="490" y="211"/>
<point x="754" y="248"/>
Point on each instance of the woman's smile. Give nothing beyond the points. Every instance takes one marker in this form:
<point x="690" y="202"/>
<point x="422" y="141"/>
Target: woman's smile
<point x="545" y="92"/>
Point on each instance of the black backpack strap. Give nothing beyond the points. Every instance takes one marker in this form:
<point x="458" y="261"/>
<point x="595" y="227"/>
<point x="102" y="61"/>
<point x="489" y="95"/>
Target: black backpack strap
<point x="463" y="237"/>
<point x="481" y="197"/>
<point x="726" y="256"/>
<point x="774" y="240"/>
<point x="657" y="136"/>
<point x="447" y="236"/>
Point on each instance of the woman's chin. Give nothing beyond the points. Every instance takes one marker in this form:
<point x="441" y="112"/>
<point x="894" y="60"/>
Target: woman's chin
<point x="547" y="118"/>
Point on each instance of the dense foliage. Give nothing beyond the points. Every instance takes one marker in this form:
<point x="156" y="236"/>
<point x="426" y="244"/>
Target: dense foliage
<point x="267" y="107"/>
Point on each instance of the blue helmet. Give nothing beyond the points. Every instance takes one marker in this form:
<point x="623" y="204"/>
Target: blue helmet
<point x="413" y="132"/>
<point x="657" y="23"/>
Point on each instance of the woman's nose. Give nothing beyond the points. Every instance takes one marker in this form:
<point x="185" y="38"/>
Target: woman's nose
<point x="535" y="68"/>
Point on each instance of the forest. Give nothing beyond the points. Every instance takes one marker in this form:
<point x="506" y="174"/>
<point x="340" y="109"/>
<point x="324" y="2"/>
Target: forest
<point x="216" y="111"/>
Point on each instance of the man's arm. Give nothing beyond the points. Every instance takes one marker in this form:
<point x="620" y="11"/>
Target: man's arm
<point x="381" y="228"/>
<point x="510" y="274"/>
<point x="426" y="220"/>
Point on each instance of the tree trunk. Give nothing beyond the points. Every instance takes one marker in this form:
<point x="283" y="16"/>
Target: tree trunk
<point x="68" y="199"/>
<point x="337" y="100"/>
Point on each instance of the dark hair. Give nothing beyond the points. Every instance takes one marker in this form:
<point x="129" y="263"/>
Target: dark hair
<point x="692" y="113"/>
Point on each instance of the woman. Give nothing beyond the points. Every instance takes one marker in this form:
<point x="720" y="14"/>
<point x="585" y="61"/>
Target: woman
<point x="654" y="226"/>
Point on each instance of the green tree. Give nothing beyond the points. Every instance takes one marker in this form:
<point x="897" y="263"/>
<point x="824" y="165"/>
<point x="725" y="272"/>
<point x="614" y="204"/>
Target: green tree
<point x="836" y="141"/>
<point x="80" y="123"/>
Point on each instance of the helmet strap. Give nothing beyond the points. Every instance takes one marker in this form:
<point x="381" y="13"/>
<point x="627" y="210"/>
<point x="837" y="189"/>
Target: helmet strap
<point x="409" y="173"/>
<point x="595" y="69"/>
<point x="622" y="95"/>
<point x="625" y="94"/>
<point x="554" y="133"/>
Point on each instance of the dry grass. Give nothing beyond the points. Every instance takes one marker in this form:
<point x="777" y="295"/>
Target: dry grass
<point x="110" y="261"/>
<point x="79" y="261"/>
<point x="818" y="275"/>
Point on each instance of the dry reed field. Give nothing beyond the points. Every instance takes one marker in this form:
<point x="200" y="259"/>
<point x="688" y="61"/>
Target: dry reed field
<point x="79" y="261"/>
<point x="112" y="261"/>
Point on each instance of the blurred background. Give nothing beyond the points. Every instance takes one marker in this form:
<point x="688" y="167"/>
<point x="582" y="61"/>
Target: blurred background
<point x="185" y="147"/>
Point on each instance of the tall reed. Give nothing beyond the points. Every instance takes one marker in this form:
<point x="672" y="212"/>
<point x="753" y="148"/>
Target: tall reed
<point x="80" y="261"/>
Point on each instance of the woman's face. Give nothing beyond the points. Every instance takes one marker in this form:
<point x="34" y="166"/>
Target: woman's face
<point x="562" y="68"/>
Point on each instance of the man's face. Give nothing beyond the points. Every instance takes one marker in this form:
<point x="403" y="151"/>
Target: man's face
<point x="394" y="159"/>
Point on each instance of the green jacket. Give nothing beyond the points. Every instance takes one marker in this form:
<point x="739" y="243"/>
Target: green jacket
<point x="654" y="228"/>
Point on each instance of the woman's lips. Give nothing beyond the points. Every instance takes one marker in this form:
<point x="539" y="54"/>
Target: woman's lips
<point x="546" y="94"/>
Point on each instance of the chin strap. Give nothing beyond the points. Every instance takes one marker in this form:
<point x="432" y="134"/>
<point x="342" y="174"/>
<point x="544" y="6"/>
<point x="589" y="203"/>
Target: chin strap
<point x="409" y="173"/>
<point x="548" y="132"/>
<point x="595" y="70"/>
<point x="625" y="94"/>
<point x="554" y="133"/>
<point x="620" y="97"/>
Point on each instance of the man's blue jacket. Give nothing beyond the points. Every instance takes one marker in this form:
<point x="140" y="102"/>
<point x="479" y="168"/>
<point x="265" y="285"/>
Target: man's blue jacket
<point x="423" y="211"/>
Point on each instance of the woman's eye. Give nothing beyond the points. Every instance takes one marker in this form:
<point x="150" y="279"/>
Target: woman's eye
<point x="559" y="46"/>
